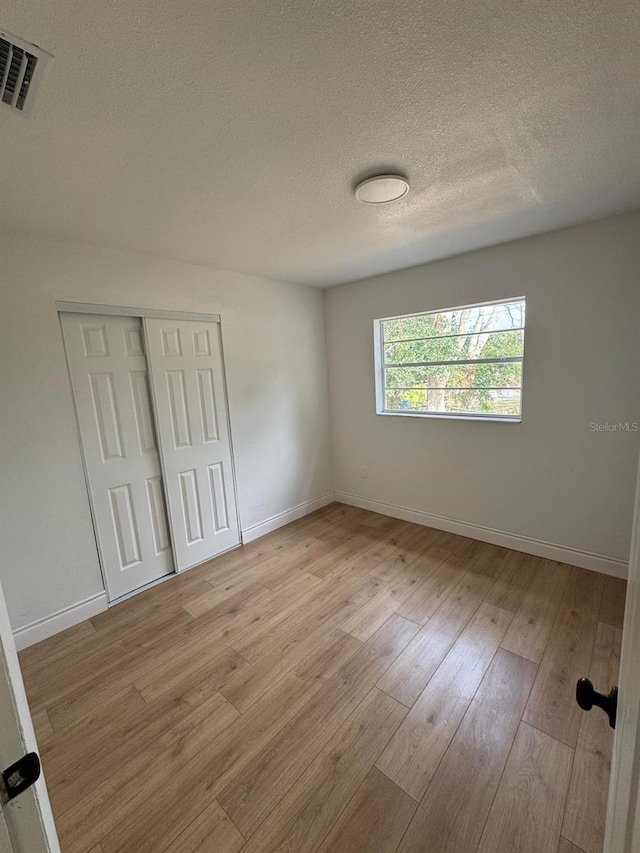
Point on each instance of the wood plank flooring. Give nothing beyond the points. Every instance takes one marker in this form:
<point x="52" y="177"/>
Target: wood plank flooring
<point x="349" y="683"/>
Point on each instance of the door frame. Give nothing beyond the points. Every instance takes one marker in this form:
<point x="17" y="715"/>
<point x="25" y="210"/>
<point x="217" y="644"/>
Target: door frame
<point x="622" y="830"/>
<point x="128" y="311"/>
<point x="63" y="307"/>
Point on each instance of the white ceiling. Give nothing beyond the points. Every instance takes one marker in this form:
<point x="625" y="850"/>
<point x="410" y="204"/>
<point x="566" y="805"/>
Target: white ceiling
<point x="229" y="132"/>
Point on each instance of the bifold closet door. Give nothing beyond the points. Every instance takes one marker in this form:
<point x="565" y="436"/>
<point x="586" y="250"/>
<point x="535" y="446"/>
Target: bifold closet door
<point x="187" y="379"/>
<point x="108" y="372"/>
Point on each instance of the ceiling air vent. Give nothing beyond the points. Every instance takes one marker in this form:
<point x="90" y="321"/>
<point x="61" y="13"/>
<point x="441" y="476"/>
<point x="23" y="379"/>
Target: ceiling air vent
<point x="22" y="68"/>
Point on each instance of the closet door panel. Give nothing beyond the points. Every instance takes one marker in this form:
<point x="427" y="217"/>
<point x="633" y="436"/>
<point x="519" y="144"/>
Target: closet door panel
<point x="185" y="364"/>
<point x="109" y="378"/>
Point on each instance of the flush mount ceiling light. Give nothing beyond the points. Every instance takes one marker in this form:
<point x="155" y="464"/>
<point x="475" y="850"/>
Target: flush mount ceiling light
<point x="382" y="189"/>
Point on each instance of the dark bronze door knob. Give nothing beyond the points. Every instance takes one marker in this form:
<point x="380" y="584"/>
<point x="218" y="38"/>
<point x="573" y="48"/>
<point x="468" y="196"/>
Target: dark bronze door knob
<point x="587" y="697"/>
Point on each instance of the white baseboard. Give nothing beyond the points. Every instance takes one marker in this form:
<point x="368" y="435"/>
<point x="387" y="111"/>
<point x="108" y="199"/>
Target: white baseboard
<point x="286" y="517"/>
<point x="46" y="627"/>
<point x="538" y="547"/>
<point x="30" y="634"/>
<point x="39" y="630"/>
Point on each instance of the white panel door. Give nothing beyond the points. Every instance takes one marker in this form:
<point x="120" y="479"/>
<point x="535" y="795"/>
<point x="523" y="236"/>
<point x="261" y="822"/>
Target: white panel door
<point x="622" y="833"/>
<point x="29" y="826"/>
<point x="108" y="371"/>
<point x="185" y="365"/>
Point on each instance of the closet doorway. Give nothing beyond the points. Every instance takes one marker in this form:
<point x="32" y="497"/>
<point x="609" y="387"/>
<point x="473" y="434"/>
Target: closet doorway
<point x="150" y="399"/>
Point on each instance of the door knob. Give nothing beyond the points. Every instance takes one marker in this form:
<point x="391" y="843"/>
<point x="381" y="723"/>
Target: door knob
<point x="20" y="776"/>
<point x="587" y="697"/>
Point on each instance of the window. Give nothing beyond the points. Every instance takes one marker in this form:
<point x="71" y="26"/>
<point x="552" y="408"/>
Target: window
<point x="463" y="362"/>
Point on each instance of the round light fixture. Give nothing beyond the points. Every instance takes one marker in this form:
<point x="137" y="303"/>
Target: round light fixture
<point x="382" y="189"/>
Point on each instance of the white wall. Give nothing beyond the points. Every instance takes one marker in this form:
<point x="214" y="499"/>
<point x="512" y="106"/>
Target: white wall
<point x="274" y="343"/>
<point x="549" y="478"/>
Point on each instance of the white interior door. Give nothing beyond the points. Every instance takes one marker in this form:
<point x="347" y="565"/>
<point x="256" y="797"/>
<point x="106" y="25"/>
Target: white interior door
<point x="187" y="378"/>
<point x="623" y="814"/>
<point x="28" y="820"/>
<point x="108" y="369"/>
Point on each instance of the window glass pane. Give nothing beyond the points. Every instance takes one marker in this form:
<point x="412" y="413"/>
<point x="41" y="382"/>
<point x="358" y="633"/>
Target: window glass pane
<point x="506" y="344"/>
<point x="475" y="401"/>
<point x="470" y="320"/>
<point x="494" y="375"/>
<point x="458" y="357"/>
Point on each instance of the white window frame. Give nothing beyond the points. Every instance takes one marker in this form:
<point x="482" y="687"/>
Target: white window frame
<point x="378" y="346"/>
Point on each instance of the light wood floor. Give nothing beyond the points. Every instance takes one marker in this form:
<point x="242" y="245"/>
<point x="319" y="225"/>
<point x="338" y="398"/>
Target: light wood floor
<point x="348" y="683"/>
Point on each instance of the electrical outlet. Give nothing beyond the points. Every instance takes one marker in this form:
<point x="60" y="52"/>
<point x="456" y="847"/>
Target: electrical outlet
<point x="363" y="471"/>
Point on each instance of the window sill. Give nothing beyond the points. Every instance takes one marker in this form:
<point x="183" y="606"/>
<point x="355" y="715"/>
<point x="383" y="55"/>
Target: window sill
<point x="513" y="419"/>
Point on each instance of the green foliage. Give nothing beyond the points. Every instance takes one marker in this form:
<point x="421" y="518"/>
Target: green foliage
<point x="465" y="334"/>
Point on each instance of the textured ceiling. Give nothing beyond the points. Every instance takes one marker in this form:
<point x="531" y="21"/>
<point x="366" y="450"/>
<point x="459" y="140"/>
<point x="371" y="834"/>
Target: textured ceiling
<point x="229" y="133"/>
